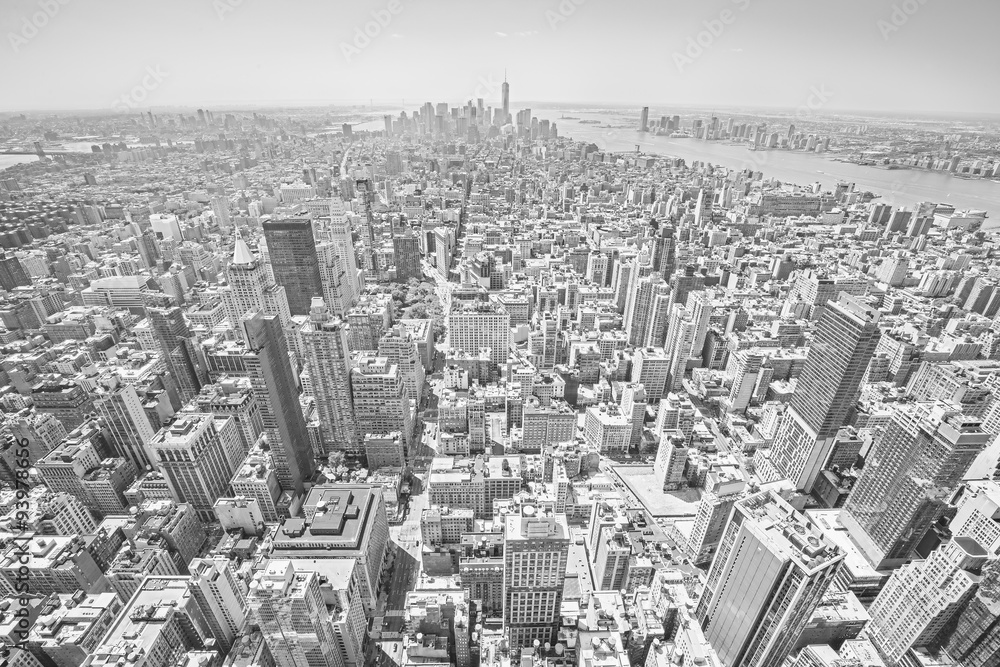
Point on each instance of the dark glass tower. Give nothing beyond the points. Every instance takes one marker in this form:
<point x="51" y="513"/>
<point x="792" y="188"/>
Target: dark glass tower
<point x="174" y="338"/>
<point x="274" y="383"/>
<point x="291" y="251"/>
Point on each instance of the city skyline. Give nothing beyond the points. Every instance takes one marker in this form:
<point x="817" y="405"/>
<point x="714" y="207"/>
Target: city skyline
<point x="881" y="62"/>
<point x="702" y="373"/>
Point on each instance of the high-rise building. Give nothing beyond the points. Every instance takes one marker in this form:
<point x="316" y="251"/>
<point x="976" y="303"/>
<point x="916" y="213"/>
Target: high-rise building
<point x="288" y="606"/>
<point x="475" y="325"/>
<point x="177" y="347"/>
<point x="381" y="402"/>
<point x="198" y="455"/>
<point x="221" y="596"/>
<point x="157" y="627"/>
<point x="505" y="97"/>
<point x="721" y="493"/>
<point x="400" y="347"/>
<point x="972" y="637"/>
<point x="665" y="251"/>
<point x="12" y="273"/>
<point x="691" y="281"/>
<point x="748" y="376"/>
<point x="536" y="553"/>
<point x="922" y="597"/>
<point x="273" y="381"/>
<point x="644" y="120"/>
<point x="827" y="389"/>
<point x="342" y="521"/>
<point x="645" y="315"/>
<point x="769" y="575"/>
<point x="328" y="377"/>
<point x="406" y="251"/>
<point x="251" y="289"/>
<point x="292" y="253"/>
<point x="126" y="424"/>
<point x="914" y="467"/>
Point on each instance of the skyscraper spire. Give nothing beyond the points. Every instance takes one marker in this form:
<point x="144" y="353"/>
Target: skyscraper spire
<point x="241" y="253"/>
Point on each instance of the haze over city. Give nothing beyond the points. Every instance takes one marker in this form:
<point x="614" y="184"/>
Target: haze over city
<point x="524" y="333"/>
<point x="873" y="55"/>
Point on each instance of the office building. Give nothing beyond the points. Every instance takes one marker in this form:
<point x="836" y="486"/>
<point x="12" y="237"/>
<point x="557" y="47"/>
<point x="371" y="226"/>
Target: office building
<point x="124" y="418"/>
<point x="922" y="597"/>
<point x="406" y="252"/>
<point x="722" y="490"/>
<point x="536" y="553"/>
<point x="828" y="387"/>
<point x="474" y="325"/>
<point x="274" y="383"/>
<point x="251" y="289"/>
<point x="400" y="347"/>
<point x="341" y="521"/>
<point x="914" y="467"/>
<point x="178" y="351"/>
<point x="292" y="254"/>
<point x="221" y="596"/>
<point x="197" y="454"/>
<point x="381" y="402"/>
<point x="768" y="576"/>
<point x="157" y="627"/>
<point x="327" y="378"/>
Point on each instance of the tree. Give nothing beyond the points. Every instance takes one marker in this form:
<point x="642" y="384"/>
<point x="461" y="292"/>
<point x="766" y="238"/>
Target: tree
<point x="336" y="459"/>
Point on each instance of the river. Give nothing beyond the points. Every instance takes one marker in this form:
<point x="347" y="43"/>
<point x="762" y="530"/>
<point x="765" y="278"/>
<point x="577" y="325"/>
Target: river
<point x="11" y="160"/>
<point x="900" y="187"/>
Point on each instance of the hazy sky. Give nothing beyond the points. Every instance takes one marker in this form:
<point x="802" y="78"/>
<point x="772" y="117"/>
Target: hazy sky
<point x="924" y="55"/>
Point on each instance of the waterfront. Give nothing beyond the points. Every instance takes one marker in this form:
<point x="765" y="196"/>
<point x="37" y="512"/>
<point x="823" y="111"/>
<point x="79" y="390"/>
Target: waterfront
<point x="11" y="160"/>
<point x="900" y="187"/>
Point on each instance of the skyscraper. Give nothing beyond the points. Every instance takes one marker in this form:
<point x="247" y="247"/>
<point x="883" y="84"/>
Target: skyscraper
<point x="479" y="324"/>
<point x="328" y="365"/>
<point x="769" y="575"/>
<point x="292" y="253"/>
<point x="646" y="313"/>
<point x="921" y="597"/>
<point x="251" y="289"/>
<point x="289" y="608"/>
<point x="196" y="458"/>
<point x="505" y="93"/>
<point x="274" y="383"/>
<point x="221" y="596"/>
<point x="845" y="341"/>
<point x="973" y="635"/>
<point x="381" y="402"/>
<point x="535" y="558"/>
<point x="406" y="251"/>
<point x="177" y="348"/>
<point x="721" y="493"/>
<point x="911" y="472"/>
<point x="644" y="120"/>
